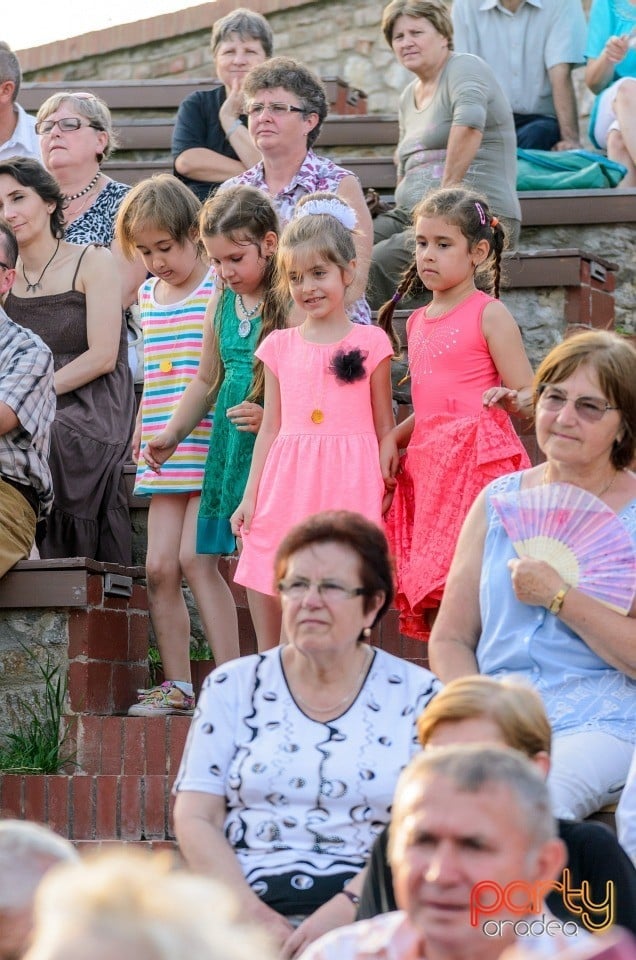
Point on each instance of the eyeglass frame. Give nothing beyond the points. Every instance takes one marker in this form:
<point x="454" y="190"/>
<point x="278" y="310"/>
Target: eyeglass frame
<point x="5" y="266"/>
<point x="347" y="593"/>
<point x="280" y="109"/>
<point x="71" y="129"/>
<point x="582" y="405"/>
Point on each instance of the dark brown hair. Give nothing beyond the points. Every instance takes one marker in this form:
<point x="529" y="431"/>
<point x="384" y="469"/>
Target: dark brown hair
<point x="470" y="212"/>
<point x="245" y="215"/>
<point x="350" y="530"/>
<point x="29" y="173"/>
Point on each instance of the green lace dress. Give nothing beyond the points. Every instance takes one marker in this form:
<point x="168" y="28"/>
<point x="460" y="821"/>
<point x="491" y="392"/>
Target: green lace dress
<point x="230" y="453"/>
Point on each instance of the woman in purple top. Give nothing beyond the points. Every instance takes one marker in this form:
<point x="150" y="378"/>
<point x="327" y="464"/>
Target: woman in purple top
<point x="286" y="105"/>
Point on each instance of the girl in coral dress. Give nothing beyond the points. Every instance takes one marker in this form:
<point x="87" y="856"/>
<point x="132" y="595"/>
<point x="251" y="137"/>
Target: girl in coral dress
<point x="327" y="405"/>
<point x="468" y="369"/>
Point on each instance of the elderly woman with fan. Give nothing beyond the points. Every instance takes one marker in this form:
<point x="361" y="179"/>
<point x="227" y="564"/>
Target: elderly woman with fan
<point x="543" y="580"/>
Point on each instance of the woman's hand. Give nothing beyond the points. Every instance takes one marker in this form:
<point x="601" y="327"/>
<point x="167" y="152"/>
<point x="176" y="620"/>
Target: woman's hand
<point x="246" y="417"/>
<point x="616" y="48"/>
<point x="534" y="581"/>
<point x="241" y="519"/>
<point x="159" y="449"/>
<point x="334" y="913"/>
<point x="232" y="107"/>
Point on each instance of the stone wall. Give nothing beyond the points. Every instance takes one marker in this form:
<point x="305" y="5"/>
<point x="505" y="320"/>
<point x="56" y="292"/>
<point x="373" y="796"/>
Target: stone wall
<point x="335" y="37"/>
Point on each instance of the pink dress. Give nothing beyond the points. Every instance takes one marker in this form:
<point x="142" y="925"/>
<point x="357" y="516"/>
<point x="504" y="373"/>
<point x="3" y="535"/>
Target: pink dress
<point x="331" y="465"/>
<point x="456" y="448"/>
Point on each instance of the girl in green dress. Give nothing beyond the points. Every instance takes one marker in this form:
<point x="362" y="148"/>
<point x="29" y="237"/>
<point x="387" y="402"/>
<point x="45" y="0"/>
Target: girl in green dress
<point x="239" y="230"/>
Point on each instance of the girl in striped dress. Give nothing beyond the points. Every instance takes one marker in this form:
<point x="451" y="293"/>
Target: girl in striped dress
<point x="158" y="220"/>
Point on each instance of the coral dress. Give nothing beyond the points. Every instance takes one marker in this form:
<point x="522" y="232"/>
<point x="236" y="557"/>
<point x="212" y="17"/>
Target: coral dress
<point x="312" y="466"/>
<point x="456" y="448"/>
<point x="230" y="455"/>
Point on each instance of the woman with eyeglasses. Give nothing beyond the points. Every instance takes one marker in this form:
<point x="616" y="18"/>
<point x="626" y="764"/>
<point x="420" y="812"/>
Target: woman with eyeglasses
<point x="286" y="105"/>
<point x="293" y="754"/>
<point x="69" y="296"/>
<point x="76" y="136"/>
<point x="502" y="614"/>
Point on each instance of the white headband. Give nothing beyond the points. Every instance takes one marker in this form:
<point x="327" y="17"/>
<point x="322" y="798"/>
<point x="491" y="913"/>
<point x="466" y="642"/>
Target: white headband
<point x="333" y="207"/>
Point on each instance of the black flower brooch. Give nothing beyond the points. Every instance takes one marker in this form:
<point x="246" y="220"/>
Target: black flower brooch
<point x="348" y="366"/>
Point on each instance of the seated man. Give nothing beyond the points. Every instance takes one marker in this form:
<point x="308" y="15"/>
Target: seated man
<point x="27" y="408"/>
<point x="462" y="815"/>
<point x="17" y="129"/>
<point x="27" y="852"/>
<point x="533" y="46"/>
<point x="509" y="713"/>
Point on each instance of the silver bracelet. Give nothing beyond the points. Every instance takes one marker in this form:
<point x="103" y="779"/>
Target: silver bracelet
<point x="237" y="123"/>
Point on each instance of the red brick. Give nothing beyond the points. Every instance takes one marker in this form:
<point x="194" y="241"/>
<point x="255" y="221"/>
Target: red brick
<point x="107" y="635"/>
<point x="414" y="650"/>
<point x="177" y="732"/>
<point x="11" y="795"/>
<point x="112" y="746"/>
<point x="82" y="805"/>
<point x="138" y="636"/>
<point x="575" y="311"/>
<point x="131" y="827"/>
<point x="95" y="590"/>
<point x="171" y="799"/>
<point x="106" y="804"/>
<point x="155" y="807"/>
<point x="200" y="670"/>
<point x="115" y="604"/>
<point x="134" y="749"/>
<point x="35" y="797"/>
<point x="139" y="597"/>
<point x="89" y="744"/>
<point x="602" y="310"/>
<point x="585" y="271"/>
<point x="89" y="686"/>
<point x="78" y="634"/>
<point x="127" y="678"/>
<point x="58" y="814"/>
<point x="156" y="733"/>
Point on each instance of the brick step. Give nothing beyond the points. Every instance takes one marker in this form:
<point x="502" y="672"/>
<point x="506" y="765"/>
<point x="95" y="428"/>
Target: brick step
<point x="95" y="808"/>
<point x="129" y="746"/>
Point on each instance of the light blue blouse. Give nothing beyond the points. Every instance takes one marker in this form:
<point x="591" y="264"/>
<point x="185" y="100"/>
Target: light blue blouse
<point x="609" y="18"/>
<point x="580" y="691"/>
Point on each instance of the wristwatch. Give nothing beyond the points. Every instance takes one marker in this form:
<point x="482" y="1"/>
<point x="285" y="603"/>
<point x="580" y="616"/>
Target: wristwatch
<point x="557" y="600"/>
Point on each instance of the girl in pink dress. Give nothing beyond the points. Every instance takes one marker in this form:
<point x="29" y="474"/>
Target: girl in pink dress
<point x="466" y="362"/>
<point x="327" y="405"/>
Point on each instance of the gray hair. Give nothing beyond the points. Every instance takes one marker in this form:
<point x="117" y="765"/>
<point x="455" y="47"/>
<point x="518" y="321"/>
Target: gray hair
<point x="471" y="767"/>
<point x="89" y="106"/>
<point x="296" y="78"/>
<point x="248" y="26"/>
<point x="10" y="68"/>
<point x="27" y="851"/>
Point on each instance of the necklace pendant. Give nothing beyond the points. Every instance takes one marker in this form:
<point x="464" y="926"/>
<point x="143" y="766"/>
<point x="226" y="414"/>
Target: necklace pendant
<point x="317" y="416"/>
<point x="33" y="287"/>
<point x="244" y="328"/>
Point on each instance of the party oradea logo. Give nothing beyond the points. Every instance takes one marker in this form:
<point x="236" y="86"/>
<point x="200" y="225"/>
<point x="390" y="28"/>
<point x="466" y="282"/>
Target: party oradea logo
<point x="527" y="901"/>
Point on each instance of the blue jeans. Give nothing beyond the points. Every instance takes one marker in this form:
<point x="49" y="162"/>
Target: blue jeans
<point x="535" y="132"/>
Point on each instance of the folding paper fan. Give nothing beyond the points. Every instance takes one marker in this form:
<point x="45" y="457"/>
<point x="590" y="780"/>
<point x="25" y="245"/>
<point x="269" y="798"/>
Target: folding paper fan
<point x="577" y="534"/>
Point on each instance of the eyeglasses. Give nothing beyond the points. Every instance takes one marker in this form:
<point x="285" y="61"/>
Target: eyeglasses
<point x="275" y="109"/>
<point x="66" y="125"/>
<point x="328" y="590"/>
<point x="5" y="266"/>
<point x="588" y="408"/>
